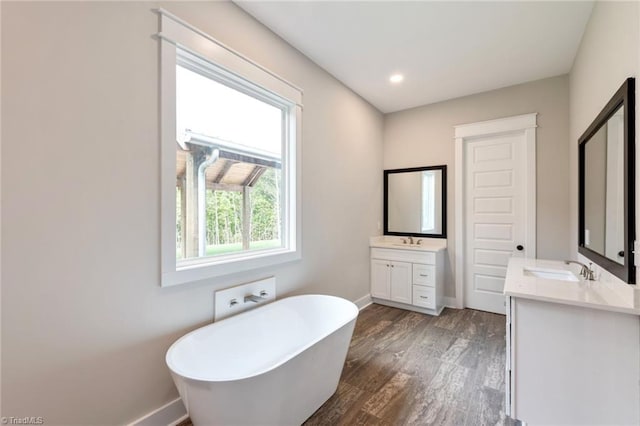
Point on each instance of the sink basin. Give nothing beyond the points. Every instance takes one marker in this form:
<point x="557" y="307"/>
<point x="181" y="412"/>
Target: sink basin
<point x="550" y="274"/>
<point x="407" y="245"/>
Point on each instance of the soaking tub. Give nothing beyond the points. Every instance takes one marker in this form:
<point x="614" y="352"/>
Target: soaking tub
<point x="273" y="365"/>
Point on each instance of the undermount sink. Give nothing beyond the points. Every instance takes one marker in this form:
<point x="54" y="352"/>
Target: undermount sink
<point x="407" y="245"/>
<point x="550" y="274"/>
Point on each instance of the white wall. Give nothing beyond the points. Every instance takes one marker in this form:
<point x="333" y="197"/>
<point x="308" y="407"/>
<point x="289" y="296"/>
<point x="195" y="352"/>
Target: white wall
<point x="608" y="55"/>
<point x="423" y="136"/>
<point x="85" y="324"/>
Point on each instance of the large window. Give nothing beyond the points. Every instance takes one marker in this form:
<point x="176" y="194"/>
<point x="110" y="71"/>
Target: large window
<point x="228" y="166"/>
<point x="231" y="129"/>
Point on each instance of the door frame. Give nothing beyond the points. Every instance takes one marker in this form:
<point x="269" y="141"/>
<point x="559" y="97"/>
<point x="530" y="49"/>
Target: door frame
<point x="525" y="124"/>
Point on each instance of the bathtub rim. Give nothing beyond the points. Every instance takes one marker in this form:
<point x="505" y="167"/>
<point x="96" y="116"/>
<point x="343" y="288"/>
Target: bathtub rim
<point x="284" y="360"/>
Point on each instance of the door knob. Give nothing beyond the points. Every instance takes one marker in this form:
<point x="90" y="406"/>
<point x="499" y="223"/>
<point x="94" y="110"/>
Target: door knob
<point x="621" y="253"/>
<point x="519" y="247"/>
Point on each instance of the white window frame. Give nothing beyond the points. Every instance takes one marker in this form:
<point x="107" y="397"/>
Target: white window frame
<point x="176" y="35"/>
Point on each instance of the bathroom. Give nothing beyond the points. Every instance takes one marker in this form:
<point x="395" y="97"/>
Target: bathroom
<point x="86" y="321"/>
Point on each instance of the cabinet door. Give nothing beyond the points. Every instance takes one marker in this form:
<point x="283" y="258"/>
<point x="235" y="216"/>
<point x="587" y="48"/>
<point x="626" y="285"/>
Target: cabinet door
<point x="380" y="279"/>
<point x="401" y="282"/>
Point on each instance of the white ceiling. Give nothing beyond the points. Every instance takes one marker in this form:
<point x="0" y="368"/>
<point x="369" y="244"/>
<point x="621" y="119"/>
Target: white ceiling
<point x="444" y="49"/>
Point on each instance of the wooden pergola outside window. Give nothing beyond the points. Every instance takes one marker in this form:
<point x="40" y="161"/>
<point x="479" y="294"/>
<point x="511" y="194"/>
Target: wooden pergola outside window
<point x="205" y="163"/>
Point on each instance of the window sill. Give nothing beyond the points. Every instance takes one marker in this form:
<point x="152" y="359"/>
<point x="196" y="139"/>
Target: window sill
<point x="210" y="268"/>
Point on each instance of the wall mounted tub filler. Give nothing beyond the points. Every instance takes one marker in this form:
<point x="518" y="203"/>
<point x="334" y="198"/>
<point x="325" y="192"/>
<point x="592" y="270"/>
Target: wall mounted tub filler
<point x="239" y="298"/>
<point x="257" y="299"/>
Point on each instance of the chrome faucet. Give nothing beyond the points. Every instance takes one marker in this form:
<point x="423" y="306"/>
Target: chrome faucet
<point x="585" y="271"/>
<point x="256" y="299"/>
<point x="410" y="239"/>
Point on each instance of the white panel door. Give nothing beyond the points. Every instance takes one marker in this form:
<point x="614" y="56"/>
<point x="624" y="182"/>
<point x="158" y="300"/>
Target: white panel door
<point x="380" y="287"/>
<point x="401" y="282"/>
<point x="495" y="216"/>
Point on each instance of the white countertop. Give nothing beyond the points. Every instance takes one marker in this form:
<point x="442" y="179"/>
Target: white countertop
<point x="395" y="242"/>
<point x="609" y="296"/>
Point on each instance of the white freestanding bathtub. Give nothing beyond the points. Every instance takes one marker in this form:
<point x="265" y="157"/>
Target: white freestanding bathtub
<point x="273" y="365"/>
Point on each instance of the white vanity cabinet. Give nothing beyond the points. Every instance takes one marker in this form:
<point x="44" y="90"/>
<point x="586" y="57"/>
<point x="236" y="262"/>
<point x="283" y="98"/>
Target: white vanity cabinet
<point x="570" y="365"/>
<point x="573" y="348"/>
<point x="408" y="278"/>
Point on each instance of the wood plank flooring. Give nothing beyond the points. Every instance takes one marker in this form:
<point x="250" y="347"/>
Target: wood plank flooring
<point x="406" y="368"/>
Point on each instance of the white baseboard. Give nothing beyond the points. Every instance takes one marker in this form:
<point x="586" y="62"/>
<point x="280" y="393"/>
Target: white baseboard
<point x="177" y="422"/>
<point x="408" y="307"/>
<point x="169" y="414"/>
<point x="363" y="302"/>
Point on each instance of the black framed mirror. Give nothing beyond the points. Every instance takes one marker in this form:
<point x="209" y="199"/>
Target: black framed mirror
<point x="606" y="192"/>
<point x="415" y="201"/>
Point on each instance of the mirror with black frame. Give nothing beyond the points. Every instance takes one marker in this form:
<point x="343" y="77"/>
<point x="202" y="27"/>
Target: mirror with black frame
<point x="607" y="186"/>
<point x="415" y="201"/>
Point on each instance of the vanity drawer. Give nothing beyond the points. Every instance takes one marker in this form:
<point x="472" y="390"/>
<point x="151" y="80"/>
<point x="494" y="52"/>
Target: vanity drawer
<point x="424" y="296"/>
<point x="424" y="275"/>
<point x="404" y="255"/>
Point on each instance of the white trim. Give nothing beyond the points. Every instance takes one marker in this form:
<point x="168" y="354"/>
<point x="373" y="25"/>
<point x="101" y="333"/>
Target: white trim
<point x="458" y="255"/>
<point x="170" y="414"/>
<point x="500" y="125"/>
<point x="176" y="35"/>
<point x="178" y="32"/>
<point x="178" y="421"/>
<point x="363" y="302"/>
<point x="167" y="158"/>
<point x="526" y="123"/>
<point x="408" y="307"/>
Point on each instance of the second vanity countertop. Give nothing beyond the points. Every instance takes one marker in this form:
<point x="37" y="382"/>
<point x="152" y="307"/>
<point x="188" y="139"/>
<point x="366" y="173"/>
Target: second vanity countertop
<point x="393" y="242"/>
<point x="609" y="296"/>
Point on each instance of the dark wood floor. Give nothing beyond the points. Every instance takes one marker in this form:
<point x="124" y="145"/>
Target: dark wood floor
<point x="406" y="368"/>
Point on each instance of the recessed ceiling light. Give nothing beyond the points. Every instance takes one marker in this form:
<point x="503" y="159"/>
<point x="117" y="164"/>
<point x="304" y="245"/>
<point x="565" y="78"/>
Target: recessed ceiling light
<point x="396" y="78"/>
